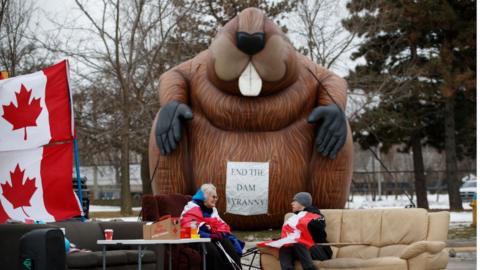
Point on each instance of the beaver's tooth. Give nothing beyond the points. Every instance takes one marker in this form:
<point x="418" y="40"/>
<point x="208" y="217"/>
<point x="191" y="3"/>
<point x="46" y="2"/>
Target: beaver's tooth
<point x="250" y="83"/>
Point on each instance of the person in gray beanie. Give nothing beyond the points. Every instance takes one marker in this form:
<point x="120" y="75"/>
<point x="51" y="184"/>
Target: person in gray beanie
<point x="302" y="250"/>
<point x="304" y="198"/>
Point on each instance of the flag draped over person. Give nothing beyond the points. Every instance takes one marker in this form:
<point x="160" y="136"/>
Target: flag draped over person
<point x="193" y="212"/>
<point x="294" y="230"/>
<point x="36" y="149"/>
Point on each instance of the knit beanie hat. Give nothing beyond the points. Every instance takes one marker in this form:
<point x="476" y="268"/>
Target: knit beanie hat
<point x="304" y="198"/>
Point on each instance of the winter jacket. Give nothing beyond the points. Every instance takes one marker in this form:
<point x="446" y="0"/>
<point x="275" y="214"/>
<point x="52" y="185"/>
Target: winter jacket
<point x="316" y="227"/>
<point x="209" y="222"/>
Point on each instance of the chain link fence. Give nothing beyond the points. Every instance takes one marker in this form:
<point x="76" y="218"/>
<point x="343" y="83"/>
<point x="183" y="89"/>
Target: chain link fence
<point x="400" y="182"/>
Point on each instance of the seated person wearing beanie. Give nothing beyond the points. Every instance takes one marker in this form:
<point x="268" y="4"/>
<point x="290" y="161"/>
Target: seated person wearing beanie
<point x="299" y="234"/>
<point x="225" y="249"/>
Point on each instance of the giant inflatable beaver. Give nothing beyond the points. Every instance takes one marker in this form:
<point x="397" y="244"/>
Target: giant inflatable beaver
<point x="251" y="97"/>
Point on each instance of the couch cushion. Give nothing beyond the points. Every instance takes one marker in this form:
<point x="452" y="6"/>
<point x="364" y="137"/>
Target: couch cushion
<point x="334" y="252"/>
<point x="358" y="251"/>
<point x="390" y="263"/>
<point x="114" y="257"/>
<point x="361" y="226"/>
<point x="81" y="260"/>
<point x="124" y="229"/>
<point x="438" y="226"/>
<point x="83" y="234"/>
<point x="391" y="250"/>
<point x="147" y="257"/>
<point x="333" y="218"/>
<point x="403" y="226"/>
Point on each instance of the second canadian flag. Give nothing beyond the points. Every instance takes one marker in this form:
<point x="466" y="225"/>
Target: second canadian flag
<point x="36" y="184"/>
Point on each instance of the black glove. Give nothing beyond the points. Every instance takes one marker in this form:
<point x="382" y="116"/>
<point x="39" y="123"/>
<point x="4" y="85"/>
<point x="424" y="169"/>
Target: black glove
<point x="331" y="131"/>
<point x="168" y="131"/>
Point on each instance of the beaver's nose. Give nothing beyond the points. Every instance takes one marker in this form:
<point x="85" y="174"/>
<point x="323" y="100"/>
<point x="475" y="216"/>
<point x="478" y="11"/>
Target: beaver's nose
<point x="250" y="43"/>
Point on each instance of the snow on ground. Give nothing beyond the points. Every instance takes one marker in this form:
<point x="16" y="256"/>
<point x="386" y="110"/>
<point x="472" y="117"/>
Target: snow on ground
<point x="460" y="217"/>
<point x="435" y="201"/>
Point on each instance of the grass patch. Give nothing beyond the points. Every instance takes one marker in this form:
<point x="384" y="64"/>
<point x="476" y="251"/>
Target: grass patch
<point x="462" y="232"/>
<point x="257" y="235"/>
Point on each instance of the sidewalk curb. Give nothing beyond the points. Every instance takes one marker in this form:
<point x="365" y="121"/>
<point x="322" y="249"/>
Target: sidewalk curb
<point x="461" y="249"/>
<point x="460" y="244"/>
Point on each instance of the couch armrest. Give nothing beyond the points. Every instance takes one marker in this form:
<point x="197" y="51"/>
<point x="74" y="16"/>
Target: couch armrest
<point x="269" y="262"/>
<point x="419" y="247"/>
<point x="10" y="235"/>
<point x="427" y="260"/>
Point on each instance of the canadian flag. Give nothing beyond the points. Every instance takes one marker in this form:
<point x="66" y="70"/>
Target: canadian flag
<point x="35" y="109"/>
<point x="192" y="212"/>
<point x="36" y="184"/>
<point x="294" y="230"/>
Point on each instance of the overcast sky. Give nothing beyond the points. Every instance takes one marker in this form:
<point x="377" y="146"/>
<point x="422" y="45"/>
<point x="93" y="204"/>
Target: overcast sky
<point x="66" y="11"/>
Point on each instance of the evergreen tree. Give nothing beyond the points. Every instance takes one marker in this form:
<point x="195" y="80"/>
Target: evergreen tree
<point x="453" y="37"/>
<point x="403" y="76"/>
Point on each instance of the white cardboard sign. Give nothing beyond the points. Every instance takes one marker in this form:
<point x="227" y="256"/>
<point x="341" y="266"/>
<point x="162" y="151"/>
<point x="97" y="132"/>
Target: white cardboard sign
<point x="247" y="188"/>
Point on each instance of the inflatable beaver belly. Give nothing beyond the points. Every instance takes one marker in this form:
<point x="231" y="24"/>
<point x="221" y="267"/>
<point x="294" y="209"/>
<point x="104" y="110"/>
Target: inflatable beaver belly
<point x="252" y="98"/>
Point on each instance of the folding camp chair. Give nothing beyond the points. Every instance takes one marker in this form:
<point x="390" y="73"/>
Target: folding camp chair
<point x="251" y="251"/>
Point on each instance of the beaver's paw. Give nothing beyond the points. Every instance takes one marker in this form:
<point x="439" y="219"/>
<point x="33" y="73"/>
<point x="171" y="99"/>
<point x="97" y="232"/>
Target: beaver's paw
<point x="168" y="131"/>
<point x="331" y="129"/>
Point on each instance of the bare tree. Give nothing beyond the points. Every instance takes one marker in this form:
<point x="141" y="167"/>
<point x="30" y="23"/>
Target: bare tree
<point x="318" y="23"/>
<point x="3" y="9"/>
<point x="19" y="52"/>
<point x="120" y="51"/>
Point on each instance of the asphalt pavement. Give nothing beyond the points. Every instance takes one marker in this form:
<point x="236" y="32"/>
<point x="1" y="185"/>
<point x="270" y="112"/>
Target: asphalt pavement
<point x="463" y="261"/>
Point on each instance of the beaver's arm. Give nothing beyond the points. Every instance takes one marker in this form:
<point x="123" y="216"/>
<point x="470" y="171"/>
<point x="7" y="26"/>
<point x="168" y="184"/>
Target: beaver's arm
<point x="331" y="176"/>
<point x="329" y="115"/>
<point x="174" y="84"/>
<point x="332" y="86"/>
<point x="167" y="147"/>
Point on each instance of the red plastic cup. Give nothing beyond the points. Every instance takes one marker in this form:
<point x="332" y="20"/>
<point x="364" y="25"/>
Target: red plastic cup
<point x="108" y="234"/>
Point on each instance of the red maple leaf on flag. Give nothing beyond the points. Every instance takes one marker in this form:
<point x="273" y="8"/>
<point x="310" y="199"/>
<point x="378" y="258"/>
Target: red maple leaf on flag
<point x="19" y="193"/>
<point x="26" y="114"/>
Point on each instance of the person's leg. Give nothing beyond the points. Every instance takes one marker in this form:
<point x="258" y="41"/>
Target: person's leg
<point x="227" y="245"/>
<point x="215" y="260"/>
<point x="302" y="254"/>
<point x="318" y="253"/>
<point x="286" y="258"/>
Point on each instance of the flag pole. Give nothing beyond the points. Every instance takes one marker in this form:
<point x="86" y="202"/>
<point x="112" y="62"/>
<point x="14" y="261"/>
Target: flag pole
<point x="77" y="169"/>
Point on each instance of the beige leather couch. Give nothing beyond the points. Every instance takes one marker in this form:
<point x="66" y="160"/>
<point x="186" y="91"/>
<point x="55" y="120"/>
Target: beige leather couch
<point x="380" y="239"/>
